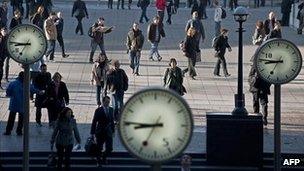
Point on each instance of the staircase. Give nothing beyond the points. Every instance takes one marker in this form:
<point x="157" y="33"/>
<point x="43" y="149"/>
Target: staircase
<point x="122" y="161"/>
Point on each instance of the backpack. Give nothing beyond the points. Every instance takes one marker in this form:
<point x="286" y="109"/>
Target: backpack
<point x="224" y="14"/>
<point x="90" y="32"/>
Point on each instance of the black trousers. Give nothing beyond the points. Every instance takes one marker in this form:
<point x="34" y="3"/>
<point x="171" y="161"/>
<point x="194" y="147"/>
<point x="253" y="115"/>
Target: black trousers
<point x="285" y="19"/>
<point x="7" y="67"/>
<point x="79" y="25"/>
<point x="260" y="98"/>
<point x="64" y="152"/>
<point x="11" y="121"/>
<point x="110" y="4"/>
<point x="220" y="60"/>
<point x="1" y="70"/>
<point x="61" y="43"/>
<point x="161" y="14"/>
<point x="101" y="139"/>
<point x="233" y="4"/>
<point x="122" y="4"/>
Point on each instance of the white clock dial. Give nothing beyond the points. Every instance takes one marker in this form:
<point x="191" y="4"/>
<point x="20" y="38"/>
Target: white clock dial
<point x="26" y="43"/>
<point x="278" y="61"/>
<point x="156" y="125"/>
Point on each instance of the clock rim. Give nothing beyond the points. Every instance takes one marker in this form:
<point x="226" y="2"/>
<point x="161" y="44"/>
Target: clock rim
<point x="29" y="61"/>
<point x="255" y="63"/>
<point x="182" y="100"/>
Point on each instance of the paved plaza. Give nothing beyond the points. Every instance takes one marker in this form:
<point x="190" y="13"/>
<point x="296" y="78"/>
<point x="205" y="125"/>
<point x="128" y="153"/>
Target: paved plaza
<point x="206" y="94"/>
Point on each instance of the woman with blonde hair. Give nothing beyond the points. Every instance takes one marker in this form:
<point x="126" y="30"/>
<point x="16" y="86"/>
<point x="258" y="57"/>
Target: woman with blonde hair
<point x="38" y="18"/>
<point x="191" y="49"/>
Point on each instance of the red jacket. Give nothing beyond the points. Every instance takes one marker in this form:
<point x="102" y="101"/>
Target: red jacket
<point x="160" y="5"/>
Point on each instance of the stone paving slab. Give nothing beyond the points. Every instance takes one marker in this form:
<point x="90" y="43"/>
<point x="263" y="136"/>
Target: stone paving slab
<point x="206" y="94"/>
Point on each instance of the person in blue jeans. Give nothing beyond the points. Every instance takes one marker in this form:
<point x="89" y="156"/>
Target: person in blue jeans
<point x="117" y="84"/>
<point x="135" y="41"/>
<point x="155" y="32"/>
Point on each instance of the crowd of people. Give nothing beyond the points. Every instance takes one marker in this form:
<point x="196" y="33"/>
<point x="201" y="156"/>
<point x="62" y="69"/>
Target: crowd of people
<point x="110" y="80"/>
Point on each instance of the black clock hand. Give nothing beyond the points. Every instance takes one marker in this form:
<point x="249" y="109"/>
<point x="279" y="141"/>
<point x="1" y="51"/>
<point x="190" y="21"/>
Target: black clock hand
<point x="20" y="44"/>
<point x="274" y="62"/>
<point x="149" y="125"/>
<point x="271" y="72"/>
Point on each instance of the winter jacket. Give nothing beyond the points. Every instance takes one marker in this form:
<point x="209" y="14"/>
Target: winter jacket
<point x="14" y="22"/>
<point x="117" y="80"/>
<point x="173" y="80"/>
<point x="269" y="25"/>
<point x="99" y="73"/>
<point x="191" y="47"/>
<point x="220" y="44"/>
<point x="286" y="6"/>
<point x="198" y="25"/>
<point x="38" y="20"/>
<point x="143" y="3"/>
<point x="152" y="32"/>
<point x="63" y="132"/>
<point x="41" y="82"/>
<point x="98" y="33"/>
<point x="60" y="99"/>
<point x="59" y="26"/>
<point x="50" y="29"/>
<point x="160" y="5"/>
<point x="103" y="123"/>
<point x="275" y="34"/>
<point x="79" y="9"/>
<point x="135" y="40"/>
<point x="218" y="14"/>
<point x="258" y="36"/>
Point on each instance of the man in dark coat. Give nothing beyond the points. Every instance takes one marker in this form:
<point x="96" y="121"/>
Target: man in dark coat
<point x="198" y="25"/>
<point x="59" y="26"/>
<point x="155" y="32"/>
<point x="79" y="11"/>
<point x="41" y="82"/>
<point x="286" y="9"/>
<point x="3" y="51"/>
<point x="103" y="129"/>
<point x="143" y="4"/>
<point x="260" y="90"/>
<point x="3" y="14"/>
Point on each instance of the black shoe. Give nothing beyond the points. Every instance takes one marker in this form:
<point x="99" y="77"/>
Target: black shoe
<point x="141" y="22"/>
<point x="6" y="133"/>
<point x="151" y="58"/>
<point x="159" y="58"/>
<point x="147" y="20"/>
<point x="193" y="78"/>
<point x="265" y="122"/>
<point x="227" y="75"/>
<point x="136" y="74"/>
<point x="65" y="55"/>
<point x="19" y="133"/>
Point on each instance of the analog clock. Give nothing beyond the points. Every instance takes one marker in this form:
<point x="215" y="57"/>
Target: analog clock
<point x="26" y="43"/>
<point x="156" y="125"/>
<point x="278" y="61"/>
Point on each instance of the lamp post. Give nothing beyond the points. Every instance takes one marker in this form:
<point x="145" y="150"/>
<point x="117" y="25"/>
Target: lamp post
<point x="240" y="16"/>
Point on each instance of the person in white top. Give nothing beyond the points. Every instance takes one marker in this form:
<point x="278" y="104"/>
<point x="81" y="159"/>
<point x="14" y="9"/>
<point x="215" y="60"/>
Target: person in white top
<point x="217" y="18"/>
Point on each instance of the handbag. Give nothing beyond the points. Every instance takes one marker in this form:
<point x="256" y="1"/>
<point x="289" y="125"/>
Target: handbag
<point x="52" y="160"/>
<point x="91" y="147"/>
<point x="198" y="56"/>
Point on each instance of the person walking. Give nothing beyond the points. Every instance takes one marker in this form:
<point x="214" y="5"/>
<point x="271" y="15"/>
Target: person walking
<point x="16" y="20"/>
<point x="41" y="82"/>
<point x="62" y="137"/>
<point x="220" y="45"/>
<point x="99" y="76"/>
<point x="260" y="90"/>
<point x="3" y="51"/>
<point x="79" y="11"/>
<point x="217" y="18"/>
<point x="173" y="78"/>
<point x="59" y="22"/>
<point x="170" y="10"/>
<point x="269" y="23"/>
<point x="17" y="5"/>
<point x="135" y="41"/>
<point x="300" y="17"/>
<point x="155" y="32"/>
<point x="191" y="49"/>
<point x="38" y="18"/>
<point x="160" y="7"/>
<point x="110" y="4"/>
<point x="259" y="33"/>
<point x="233" y="4"/>
<point x="285" y="10"/>
<point x="196" y="8"/>
<point x="102" y="129"/>
<point x="202" y="6"/>
<point x="117" y="84"/>
<point x="15" y="92"/>
<point x="129" y="4"/>
<point x="57" y="98"/>
<point x="122" y="2"/>
<point x="3" y="14"/>
<point x="143" y="4"/>
<point x="98" y="30"/>
<point x="198" y="26"/>
<point x="51" y="35"/>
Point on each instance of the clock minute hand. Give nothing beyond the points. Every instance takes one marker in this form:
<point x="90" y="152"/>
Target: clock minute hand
<point x="274" y="62"/>
<point x="20" y="44"/>
<point x="149" y="125"/>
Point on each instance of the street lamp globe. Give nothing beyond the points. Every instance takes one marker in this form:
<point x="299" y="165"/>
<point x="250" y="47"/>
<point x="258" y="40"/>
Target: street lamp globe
<point x="240" y="14"/>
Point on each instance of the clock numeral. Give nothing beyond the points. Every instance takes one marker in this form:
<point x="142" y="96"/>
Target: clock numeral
<point x="130" y="110"/>
<point x="180" y="111"/>
<point x="286" y="76"/>
<point x="169" y="149"/>
<point x="277" y="78"/>
<point x="140" y="150"/>
<point x="293" y="70"/>
<point x="269" y="46"/>
<point x="130" y="139"/>
<point x="34" y="31"/>
<point x="141" y="100"/>
<point x="179" y="139"/>
<point x="269" y="55"/>
<point x="166" y="142"/>
<point x="169" y="101"/>
<point x="278" y="43"/>
<point x="268" y="77"/>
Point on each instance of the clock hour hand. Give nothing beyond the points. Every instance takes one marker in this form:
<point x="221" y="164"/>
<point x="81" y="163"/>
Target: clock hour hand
<point x="143" y="125"/>
<point x="20" y="44"/>
<point x="274" y="62"/>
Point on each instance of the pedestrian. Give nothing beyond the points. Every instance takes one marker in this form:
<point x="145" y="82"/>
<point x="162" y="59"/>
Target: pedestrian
<point x="32" y="8"/>
<point x="117" y="84"/>
<point x="233" y="4"/>
<point x="198" y="26"/>
<point x="59" y="22"/>
<point x="47" y="4"/>
<point x="143" y="4"/>
<point x="98" y="30"/>
<point x="202" y="6"/>
<point x="220" y="45"/>
<point x="189" y="3"/>
<point x="17" y="5"/>
<point x="285" y="10"/>
<point x="51" y="35"/>
<point x="269" y="23"/>
<point x="191" y="50"/>
<point x="186" y="162"/>
<point x="300" y="17"/>
<point x="155" y="32"/>
<point x="260" y="90"/>
<point x="3" y="51"/>
<point x="103" y="130"/>
<point x="135" y="41"/>
<point x="129" y="4"/>
<point x="170" y="10"/>
<point x="173" y="78"/>
<point x="160" y="7"/>
<point x="122" y="2"/>
<point x="196" y="8"/>
<point x="99" y="76"/>
<point x="79" y="11"/>
<point x="259" y="33"/>
<point x="217" y="18"/>
<point x="224" y="3"/>
<point x="57" y="98"/>
<point x="41" y="82"/>
<point x="276" y="32"/>
<point x="262" y="3"/>
<point x="3" y="14"/>
<point x="15" y="92"/>
<point x="176" y="3"/>
<point x="256" y="3"/>
<point x="110" y="4"/>
<point x="16" y="20"/>
<point x="38" y="18"/>
<point x="62" y="137"/>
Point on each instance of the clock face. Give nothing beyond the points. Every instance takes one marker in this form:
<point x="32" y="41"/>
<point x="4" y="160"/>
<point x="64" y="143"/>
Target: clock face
<point x="278" y="61"/>
<point x="26" y="43"/>
<point x="156" y="125"/>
